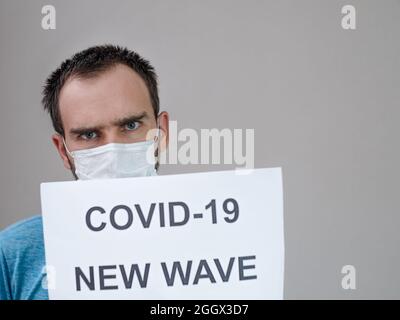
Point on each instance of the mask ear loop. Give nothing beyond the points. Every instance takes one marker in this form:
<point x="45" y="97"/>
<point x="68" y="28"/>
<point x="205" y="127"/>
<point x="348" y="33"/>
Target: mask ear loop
<point x="157" y="151"/>
<point x="67" y="148"/>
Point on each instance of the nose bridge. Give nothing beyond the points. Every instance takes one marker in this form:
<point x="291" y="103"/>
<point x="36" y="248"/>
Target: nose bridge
<point x="111" y="135"/>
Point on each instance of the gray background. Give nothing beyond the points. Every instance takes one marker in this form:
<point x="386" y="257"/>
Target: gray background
<point x="323" y="102"/>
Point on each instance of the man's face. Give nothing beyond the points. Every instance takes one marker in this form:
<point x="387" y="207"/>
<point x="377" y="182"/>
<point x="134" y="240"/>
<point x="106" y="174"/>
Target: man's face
<point x="112" y="107"/>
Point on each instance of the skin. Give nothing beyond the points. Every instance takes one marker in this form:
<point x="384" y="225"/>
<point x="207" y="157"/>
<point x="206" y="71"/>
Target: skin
<point x="112" y="107"/>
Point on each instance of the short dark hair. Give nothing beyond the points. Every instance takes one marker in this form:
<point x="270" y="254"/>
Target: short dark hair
<point x="89" y="63"/>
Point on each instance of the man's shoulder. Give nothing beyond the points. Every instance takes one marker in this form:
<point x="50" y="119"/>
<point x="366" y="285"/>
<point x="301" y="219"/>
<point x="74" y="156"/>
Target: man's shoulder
<point x="22" y="260"/>
<point x="22" y="234"/>
<point x="22" y="229"/>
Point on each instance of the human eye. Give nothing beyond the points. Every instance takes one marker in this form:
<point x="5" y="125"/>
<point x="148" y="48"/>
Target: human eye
<point x="131" y="126"/>
<point x="89" y="135"/>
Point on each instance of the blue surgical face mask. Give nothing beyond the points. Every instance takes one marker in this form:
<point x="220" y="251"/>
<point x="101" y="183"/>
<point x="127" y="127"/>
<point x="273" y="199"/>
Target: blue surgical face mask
<point x="116" y="160"/>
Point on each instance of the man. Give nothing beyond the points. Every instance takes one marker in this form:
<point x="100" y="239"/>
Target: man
<point x="104" y="106"/>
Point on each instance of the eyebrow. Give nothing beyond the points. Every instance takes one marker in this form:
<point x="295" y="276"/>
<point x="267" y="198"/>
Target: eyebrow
<point x="119" y="122"/>
<point x="132" y="118"/>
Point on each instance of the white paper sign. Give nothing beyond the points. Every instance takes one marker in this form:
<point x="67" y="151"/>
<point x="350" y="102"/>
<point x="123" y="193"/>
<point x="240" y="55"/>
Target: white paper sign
<point x="214" y="235"/>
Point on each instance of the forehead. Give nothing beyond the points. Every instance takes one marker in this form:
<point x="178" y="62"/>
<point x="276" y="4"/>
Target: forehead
<point x="99" y="100"/>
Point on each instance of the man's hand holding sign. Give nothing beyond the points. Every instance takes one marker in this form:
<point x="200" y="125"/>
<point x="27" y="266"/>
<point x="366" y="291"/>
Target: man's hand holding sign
<point x="216" y="235"/>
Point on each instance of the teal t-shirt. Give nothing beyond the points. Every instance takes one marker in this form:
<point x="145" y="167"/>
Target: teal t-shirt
<point x="22" y="261"/>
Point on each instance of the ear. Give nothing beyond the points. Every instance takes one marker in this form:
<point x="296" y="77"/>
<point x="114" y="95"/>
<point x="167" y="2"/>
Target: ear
<point x="58" y="143"/>
<point x="163" y="120"/>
